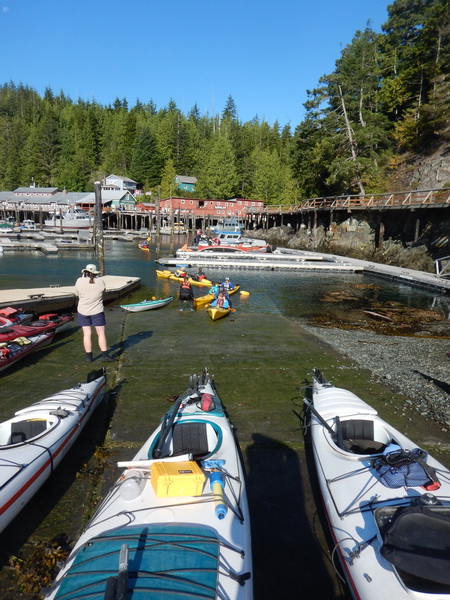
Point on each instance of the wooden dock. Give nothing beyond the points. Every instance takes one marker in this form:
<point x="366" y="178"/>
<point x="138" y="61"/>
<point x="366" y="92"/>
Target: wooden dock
<point x="63" y="297"/>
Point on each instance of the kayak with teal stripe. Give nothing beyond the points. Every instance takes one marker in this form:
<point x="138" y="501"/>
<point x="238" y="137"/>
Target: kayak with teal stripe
<point x="176" y="523"/>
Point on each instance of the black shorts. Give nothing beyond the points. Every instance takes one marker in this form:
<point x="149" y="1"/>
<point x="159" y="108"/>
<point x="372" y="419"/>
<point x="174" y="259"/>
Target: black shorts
<point x="96" y="320"/>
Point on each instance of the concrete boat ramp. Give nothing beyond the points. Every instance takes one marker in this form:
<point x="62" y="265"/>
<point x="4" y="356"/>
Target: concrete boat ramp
<point x="63" y="297"/>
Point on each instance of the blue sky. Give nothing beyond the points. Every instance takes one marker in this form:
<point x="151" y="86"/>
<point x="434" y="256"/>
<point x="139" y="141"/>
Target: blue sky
<point x="264" y="54"/>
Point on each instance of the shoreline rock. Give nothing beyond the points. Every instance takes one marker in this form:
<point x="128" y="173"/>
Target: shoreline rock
<point x="416" y="367"/>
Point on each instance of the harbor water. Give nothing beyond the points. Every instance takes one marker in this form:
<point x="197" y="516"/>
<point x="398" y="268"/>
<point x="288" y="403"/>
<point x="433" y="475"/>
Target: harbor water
<point x="260" y="357"/>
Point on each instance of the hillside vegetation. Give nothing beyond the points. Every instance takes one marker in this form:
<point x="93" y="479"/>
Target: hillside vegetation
<point x="379" y="122"/>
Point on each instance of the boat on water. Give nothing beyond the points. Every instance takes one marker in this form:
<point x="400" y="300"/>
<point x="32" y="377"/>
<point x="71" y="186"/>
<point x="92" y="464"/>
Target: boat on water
<point x="231" y="225"/>
<point x="167" y="274"/>
<point x="176" y="523"/>
<point x="35" y="440"/>
<point x="225" y="242"/>
<point x="218" y="312"/>
<point x="387" y="501"/>
<point x="72" y="219"/>
<point x="207" y="298"/>
<point x="178" y="229"/>
<point x="14" y="350"/>
<point x="147" y="304"/>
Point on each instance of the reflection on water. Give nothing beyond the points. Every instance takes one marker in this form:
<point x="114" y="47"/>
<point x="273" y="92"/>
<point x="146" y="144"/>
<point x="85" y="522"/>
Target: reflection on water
<point x="296" y="295"/>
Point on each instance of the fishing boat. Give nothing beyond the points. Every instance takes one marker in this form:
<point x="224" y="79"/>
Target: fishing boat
<point x="387" y="501"/>
<point x="72" y="219"/>
<point x="147" y="304"/>
<point x="218" y="312"/>
<point x="36" y="439"/>
<point x="19" y="347"/>
<point x="176" y="523"/>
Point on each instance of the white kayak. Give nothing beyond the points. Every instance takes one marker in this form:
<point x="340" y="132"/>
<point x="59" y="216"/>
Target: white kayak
<point x="147" y="304"/>
<point x="36" y="439"/>
<point x="176" y="523"/>
<point x="387" y="501"/>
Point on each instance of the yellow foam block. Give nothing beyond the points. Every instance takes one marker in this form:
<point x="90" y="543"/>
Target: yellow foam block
<point x="177" y="479"/>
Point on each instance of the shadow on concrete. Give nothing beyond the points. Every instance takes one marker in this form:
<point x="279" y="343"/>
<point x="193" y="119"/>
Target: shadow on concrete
<point x="445" y="387"/>
<point x="54" y="489"/>
<point x="320" y="529"/>
<point x="287" y="559"/>
<point x="119" y="347"/>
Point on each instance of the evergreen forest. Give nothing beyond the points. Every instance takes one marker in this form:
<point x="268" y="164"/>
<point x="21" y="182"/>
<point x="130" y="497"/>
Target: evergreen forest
<point x="388" y="98"/>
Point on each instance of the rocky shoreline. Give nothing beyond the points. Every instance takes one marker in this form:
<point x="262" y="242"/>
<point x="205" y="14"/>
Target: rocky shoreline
<point x="416" y="367"/>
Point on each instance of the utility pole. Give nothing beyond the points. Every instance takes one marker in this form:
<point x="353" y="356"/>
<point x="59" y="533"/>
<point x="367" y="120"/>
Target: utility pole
<point x="158" y="223"/>
<point x="98" y="228"/>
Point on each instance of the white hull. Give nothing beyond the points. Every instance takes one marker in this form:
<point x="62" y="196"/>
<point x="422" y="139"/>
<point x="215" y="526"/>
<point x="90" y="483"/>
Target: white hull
<point x="37" y="438"/>
<point x="354" y="494"/>
<point x="73" y="219"/>
<point x="133" y="508"/>
<point x="68" y="224"/>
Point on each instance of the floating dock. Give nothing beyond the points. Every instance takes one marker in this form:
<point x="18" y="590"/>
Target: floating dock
<point x="58" y="297"/>
<point x="296" y="260"/>
<point x="299" y="260"/>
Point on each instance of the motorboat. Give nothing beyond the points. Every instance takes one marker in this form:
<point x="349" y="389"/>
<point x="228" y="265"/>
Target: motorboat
<point x="72" y="219"/>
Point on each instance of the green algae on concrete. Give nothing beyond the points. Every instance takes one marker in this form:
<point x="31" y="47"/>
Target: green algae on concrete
<point x="260" y="362"/>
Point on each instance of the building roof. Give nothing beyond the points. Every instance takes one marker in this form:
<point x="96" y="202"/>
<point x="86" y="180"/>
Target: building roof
<point x="120" y="177"/>
<point x="36" y="190"/>
<point x="185" y="179"/>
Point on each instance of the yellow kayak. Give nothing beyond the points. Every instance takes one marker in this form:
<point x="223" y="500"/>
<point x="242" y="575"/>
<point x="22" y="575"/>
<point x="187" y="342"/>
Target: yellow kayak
<point x="166" y="274"/>
<point x="218" y="313"/>
<point x="203" y="283"/>
<point x="202" y="300"/>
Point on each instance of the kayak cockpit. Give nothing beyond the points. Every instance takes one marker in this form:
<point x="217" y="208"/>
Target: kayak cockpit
<point x="360" y="436"/>
<point x="18" y="432"/>
<point x="198" y="437"/>
<point x="416" y="542"/>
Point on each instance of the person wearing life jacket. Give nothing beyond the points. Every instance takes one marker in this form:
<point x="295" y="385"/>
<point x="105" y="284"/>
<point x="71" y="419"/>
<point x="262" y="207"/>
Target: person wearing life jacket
<point x="227" y="284"/>
<point x="214" y="289"/>
<point x="186" y="294"/>
<point x="223" y="290"/>
<point x="221" y="301"/>
<point x="200" y="275"/>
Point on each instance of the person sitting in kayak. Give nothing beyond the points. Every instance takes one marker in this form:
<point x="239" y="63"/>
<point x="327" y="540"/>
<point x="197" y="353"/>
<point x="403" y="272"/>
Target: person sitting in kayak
<point x="214" y="289"/>
<point x="221" y="301"/>
<point x="186" y="294"/>
<point x="223" y="290"/>
<point x="200" y="275"/>
<point x="181" y="273"/>
<point x="227" y="284"/>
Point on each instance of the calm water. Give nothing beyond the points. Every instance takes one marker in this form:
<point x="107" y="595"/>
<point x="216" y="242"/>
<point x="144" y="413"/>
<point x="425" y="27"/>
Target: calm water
<point x="296" y="295"/>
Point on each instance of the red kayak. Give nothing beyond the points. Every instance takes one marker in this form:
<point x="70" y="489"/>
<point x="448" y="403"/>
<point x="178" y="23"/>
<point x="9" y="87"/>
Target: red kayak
<point x="56" y="323"/>
<point x="11" y="352"/>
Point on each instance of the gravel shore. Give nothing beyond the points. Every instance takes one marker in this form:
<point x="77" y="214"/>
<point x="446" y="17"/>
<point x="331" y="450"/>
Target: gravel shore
<point x="413" y="366"/>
